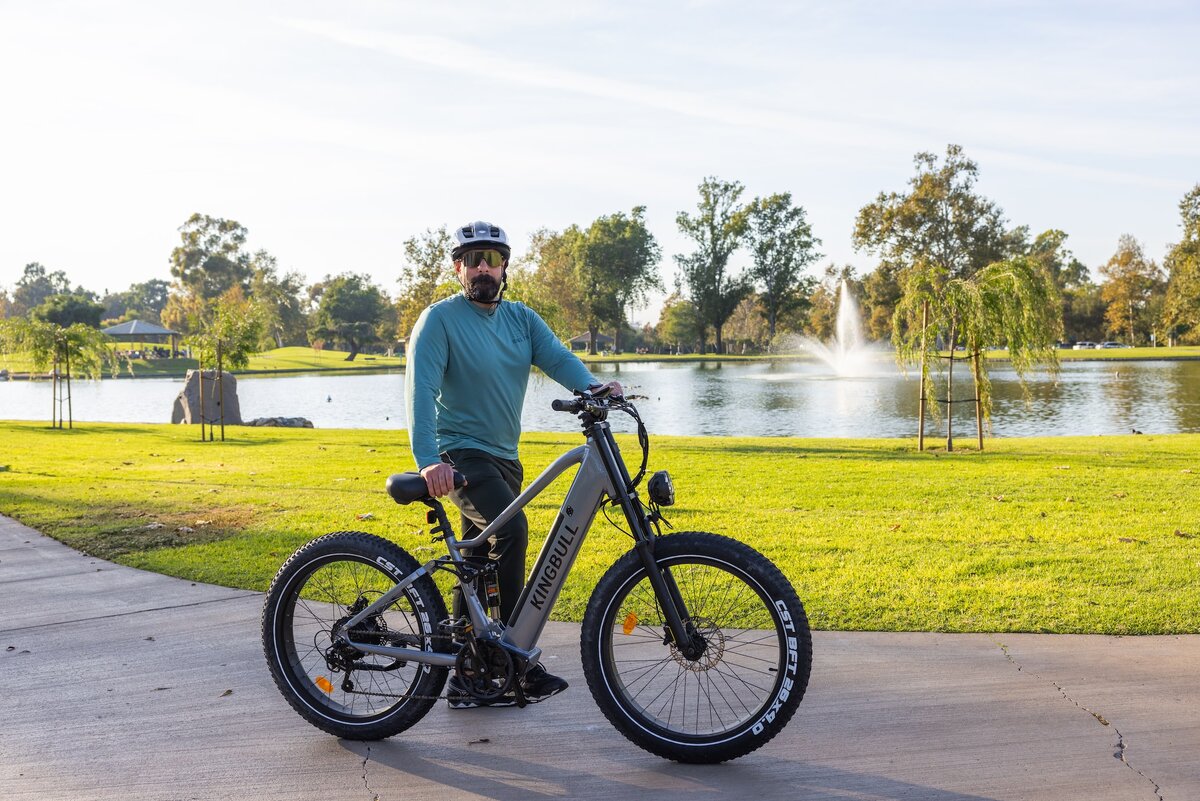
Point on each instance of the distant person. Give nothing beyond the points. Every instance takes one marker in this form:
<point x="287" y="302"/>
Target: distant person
<point x="469" y="358"/>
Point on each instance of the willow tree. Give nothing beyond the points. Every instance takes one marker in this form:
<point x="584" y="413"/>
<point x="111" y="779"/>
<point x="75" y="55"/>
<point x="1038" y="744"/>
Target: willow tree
<point x="1013" y="302"/>
<point x="960" y="278"/>
<point x="61" y="349"/>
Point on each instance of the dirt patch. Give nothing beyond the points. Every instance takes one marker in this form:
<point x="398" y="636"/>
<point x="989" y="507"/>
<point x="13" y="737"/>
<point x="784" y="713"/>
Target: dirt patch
<point x="132" y="531"/>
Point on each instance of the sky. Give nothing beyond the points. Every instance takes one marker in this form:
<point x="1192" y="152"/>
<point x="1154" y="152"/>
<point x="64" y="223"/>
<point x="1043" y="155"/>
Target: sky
<point x="333" y="132"/>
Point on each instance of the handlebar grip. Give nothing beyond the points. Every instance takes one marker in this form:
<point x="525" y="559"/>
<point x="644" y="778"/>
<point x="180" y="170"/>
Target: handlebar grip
<point x="563" y="405"/>
<point x="459" y="480"/>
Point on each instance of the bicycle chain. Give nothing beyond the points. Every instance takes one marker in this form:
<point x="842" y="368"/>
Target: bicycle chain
<point x="407" y="696"/>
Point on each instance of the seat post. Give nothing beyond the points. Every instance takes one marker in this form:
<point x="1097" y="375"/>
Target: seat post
<point x="437" y="514"/>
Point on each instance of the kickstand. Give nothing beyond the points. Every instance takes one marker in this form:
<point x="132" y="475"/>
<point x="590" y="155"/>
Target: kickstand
<point x="519" y="694"/>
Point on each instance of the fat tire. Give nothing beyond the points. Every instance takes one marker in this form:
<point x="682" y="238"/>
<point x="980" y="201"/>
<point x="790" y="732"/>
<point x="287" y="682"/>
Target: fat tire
<point x="787" y="679"/>
<point x="423" y="606"/>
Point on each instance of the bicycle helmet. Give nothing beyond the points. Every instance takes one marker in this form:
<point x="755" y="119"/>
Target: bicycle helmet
<point x="478" y="236"/>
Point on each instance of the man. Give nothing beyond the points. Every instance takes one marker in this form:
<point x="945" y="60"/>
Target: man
<point x="469" y="359"/>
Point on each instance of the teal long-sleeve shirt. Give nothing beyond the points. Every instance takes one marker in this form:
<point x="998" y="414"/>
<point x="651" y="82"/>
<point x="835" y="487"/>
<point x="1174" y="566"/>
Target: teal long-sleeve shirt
<point x="467" y="372"/>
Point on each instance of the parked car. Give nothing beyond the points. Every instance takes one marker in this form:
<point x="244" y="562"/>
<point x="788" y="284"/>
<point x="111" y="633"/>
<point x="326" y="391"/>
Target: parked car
<point x="1107" y="345"/>
<point x="1085" y="345"/>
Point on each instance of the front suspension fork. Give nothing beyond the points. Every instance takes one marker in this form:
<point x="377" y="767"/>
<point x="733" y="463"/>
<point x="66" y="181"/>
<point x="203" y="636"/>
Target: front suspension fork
<point x="671" y="601"/>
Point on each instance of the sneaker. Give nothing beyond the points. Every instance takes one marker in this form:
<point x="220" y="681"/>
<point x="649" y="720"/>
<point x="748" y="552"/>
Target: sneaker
<point x="538" y="684"/>
<point x="457" y="697"/>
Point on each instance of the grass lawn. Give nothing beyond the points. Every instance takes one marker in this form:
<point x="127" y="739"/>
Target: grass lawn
<point x="1077" y="534"/>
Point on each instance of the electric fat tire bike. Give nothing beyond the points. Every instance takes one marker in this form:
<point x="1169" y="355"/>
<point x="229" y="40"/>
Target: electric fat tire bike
<point x="694" y="645"/>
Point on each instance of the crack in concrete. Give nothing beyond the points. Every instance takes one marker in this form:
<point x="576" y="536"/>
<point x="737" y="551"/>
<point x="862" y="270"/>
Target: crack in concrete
<point x="133" y="612"/>
<point x="1121" y="745"/>
<point x="366" y="784"/>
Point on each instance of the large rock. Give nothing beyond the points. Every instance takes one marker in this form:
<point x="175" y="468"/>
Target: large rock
<point x="282" y="422"/>
<point x="187" y="404"/>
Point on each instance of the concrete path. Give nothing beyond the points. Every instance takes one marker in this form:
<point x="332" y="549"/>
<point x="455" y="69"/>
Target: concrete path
<point x="120" y="684"/>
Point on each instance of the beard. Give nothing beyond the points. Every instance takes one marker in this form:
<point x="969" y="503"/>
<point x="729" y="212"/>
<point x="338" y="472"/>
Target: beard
<point x="483" y="289"/>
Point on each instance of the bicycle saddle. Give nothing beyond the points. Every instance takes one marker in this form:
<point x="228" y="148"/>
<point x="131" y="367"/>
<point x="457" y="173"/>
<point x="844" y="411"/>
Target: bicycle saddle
<point x="407" y="487"/>
<point x="410" y="487"/>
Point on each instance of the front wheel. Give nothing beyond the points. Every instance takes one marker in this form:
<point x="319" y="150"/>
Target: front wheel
<point x="335" y="687"/>
<point x="733" y="696"/>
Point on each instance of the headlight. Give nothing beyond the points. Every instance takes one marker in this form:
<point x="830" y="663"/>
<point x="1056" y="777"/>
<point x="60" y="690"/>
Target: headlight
<point x="661" y="490"/>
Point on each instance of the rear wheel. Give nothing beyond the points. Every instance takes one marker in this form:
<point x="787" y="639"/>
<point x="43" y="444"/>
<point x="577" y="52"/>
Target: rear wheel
<point x="743" y="685"/>
<point x="336" y="687"/>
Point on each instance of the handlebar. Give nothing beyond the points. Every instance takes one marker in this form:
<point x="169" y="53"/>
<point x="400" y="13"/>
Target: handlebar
<point x="595" y="407"/>
<point x="597" y="403"/>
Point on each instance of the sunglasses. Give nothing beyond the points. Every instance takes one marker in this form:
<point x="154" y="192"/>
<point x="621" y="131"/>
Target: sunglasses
<point x="473" y="258"/>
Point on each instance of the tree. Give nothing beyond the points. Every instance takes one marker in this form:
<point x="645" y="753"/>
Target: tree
<point x="1130" y="282"/>
<point x="1181" y="315"/>
<point x="1050" y="250"/>
<point x="782" y="245"/>
<point x="35" y="286"/>
<point x="427" y="276"/>
<point x="144" y="301"/>
<point x="76" y="347"/>
<point x="547" y="280"/>
<point x="880" y="295"/>
<point x="679" y="324"/>
<point x="951" y="249"/>
<point x="209" y="259"/>
<point x="230" y="335"/>
<point x="617" y="265"/>
<point x="280" y="309"/>
<point x="1083" y="313"/>
<point x="350" y="309"/>
<point x="747" y="326"/>
<point x="823" y="302"/>
<point x="1082" y="310"/>
<point x="718" y="229"/>
<point x="68" y="309"/>
<point x="941" y="221"/>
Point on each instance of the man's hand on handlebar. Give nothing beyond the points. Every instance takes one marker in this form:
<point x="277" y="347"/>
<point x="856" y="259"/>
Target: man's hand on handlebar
<point x="610" y="390"/>
<point x="439" y="478"/>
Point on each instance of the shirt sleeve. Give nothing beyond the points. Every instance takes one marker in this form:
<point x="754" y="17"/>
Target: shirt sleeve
<point x="427" y="359"/>
<point x="553" y="358"/>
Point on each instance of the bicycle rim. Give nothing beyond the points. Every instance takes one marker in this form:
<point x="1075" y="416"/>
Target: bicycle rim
<point x="729" y="686"/>
<point x="315" y="599"/>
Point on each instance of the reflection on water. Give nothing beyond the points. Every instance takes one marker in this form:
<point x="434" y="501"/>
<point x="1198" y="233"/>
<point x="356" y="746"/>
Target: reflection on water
<point x="706" y="398"/>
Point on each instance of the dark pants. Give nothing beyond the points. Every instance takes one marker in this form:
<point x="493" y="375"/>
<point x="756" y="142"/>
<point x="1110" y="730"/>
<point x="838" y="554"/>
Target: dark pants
<point x="492" y="484"/>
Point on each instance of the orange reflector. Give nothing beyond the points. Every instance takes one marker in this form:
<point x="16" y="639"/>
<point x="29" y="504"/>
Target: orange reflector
<point x="325" y="685"/>
<point x="630" y="623"/>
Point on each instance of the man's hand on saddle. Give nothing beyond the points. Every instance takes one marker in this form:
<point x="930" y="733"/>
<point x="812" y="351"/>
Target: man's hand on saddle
<point x="439" y="478"/>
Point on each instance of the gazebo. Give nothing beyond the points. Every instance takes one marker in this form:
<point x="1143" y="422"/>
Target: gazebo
<point x="141" y="331"/>
<point x="603" y="342"/>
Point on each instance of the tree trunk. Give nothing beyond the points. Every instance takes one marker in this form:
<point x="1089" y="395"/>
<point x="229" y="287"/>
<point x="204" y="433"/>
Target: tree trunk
<point x="70" y="413"/>
<point x="200" y="386"/>
<point x="220" y="392"/>
<point x="978" y="404"/>
<point x="54" y="392"/>
<point x="924" y="357"/>
<point x="592" y="332"/>
<point x="950" y="392"/>
<point x="720" y="345"/>
<point x="354" y="346"/>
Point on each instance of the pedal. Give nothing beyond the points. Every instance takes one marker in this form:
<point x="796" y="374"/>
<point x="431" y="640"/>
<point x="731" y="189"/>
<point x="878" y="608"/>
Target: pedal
<point x="457" y="628"/>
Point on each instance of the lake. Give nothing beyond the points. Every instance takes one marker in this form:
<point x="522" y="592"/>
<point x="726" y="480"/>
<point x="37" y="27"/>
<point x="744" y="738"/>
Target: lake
<point x="796" y="398"/>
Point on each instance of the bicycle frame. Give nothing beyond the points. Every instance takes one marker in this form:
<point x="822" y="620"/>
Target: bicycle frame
<point x="601" y="472"/>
